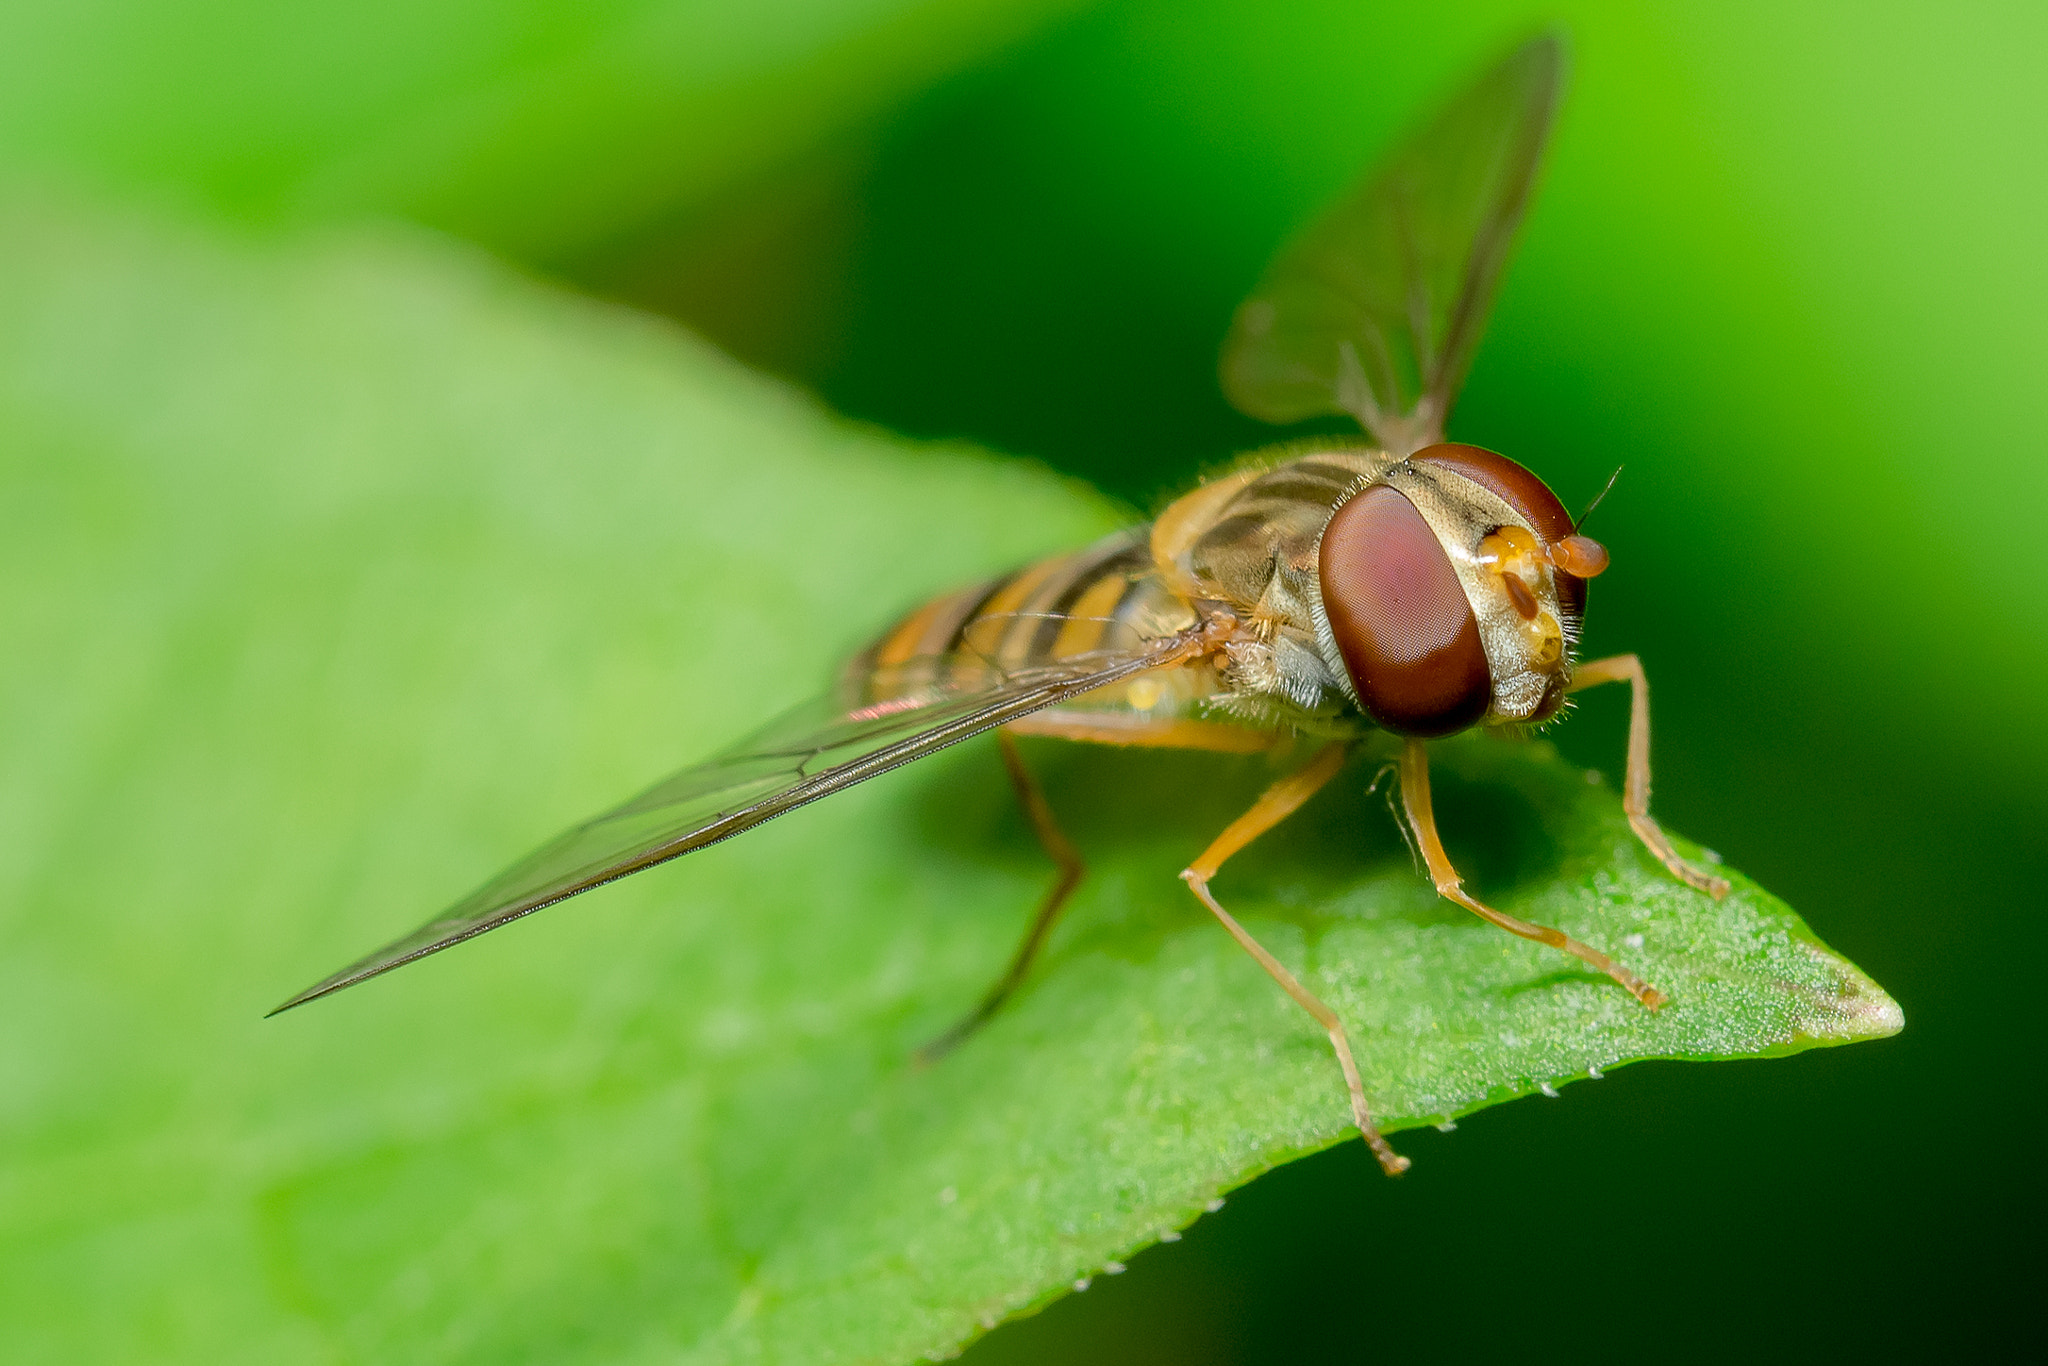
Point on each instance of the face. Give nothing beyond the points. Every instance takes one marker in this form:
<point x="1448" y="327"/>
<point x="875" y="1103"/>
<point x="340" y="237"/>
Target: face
<point x="1453" y="591"/>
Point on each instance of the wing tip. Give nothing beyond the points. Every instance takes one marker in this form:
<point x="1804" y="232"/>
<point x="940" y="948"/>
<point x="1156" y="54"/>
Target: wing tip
<point x="1548" y="53"/>
<point x="1535" y="68"/>
<point x="427" y="941"/>
<point x="325" y="987"/>
<point x="376" y="965"/>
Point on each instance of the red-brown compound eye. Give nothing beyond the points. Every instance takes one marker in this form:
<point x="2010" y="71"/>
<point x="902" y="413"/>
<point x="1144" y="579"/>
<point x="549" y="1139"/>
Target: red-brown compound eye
<point x="1401" y="619"/>
<point x="1523" y="492"/>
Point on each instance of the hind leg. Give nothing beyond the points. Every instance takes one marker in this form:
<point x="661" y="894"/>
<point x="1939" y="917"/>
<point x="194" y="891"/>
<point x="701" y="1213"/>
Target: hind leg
<point x="1167" y="734"/>
<point x="1071" y="870"/>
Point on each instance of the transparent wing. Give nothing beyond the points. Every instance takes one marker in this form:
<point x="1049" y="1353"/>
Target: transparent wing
<point x="811" y="752"/>
<point x="1377" y="308"/>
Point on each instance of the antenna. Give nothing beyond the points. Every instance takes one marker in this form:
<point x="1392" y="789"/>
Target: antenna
<point x="1596" y="499"/>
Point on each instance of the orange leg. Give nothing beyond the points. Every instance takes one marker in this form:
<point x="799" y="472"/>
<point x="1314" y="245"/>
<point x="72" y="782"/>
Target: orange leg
<point x="1635" y="799"/>
<point x="1422" y="820"/>
<point x="1276" y="804"/>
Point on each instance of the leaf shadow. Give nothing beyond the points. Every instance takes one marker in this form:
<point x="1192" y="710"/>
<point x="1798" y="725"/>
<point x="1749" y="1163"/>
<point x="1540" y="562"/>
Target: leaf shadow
<point x="1139" y="816"/>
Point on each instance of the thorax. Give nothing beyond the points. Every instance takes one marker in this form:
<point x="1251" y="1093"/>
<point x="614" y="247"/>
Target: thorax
<point x="1248" y="543"/>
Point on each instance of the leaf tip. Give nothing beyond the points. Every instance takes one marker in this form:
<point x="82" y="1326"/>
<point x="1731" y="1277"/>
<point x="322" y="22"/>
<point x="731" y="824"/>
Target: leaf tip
<point x="1857" y="1007"/>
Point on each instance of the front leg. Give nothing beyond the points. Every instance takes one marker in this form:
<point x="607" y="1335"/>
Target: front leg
<point x="1415" y="802"/>
<point x="1635" y="797"/>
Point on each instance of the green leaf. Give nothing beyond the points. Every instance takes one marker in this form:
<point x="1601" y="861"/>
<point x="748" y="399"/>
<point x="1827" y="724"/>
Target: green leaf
<point x="335" y="575"/>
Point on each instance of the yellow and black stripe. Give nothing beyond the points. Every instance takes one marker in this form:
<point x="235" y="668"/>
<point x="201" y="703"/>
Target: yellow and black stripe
<point x="1103" y="598"/>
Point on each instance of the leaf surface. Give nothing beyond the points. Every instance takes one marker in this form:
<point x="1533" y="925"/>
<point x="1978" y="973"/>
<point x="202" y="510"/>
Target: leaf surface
<point x="334" y="576"/>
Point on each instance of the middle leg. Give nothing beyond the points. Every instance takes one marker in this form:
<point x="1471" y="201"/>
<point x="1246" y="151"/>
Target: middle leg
<point x="1275" y="805"/>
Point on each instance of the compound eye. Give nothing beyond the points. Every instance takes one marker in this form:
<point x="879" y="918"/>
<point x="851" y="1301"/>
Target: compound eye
<point x="1517" y="487"/>
<point x="1523" y="492"/>
<point x="1401" y="619"/>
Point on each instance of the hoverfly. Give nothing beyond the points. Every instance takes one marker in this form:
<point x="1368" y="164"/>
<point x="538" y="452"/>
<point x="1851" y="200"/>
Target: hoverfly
<point x="1321" y="590"/>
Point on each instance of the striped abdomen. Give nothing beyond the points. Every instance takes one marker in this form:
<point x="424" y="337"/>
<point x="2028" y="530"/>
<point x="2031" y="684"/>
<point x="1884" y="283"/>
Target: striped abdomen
<point x="1105" y="598"/>
<point x="1246" y="543"/>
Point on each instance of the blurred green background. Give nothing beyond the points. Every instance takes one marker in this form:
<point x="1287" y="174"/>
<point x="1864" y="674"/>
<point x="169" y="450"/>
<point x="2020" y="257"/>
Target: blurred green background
<point x="1786" y="266"/>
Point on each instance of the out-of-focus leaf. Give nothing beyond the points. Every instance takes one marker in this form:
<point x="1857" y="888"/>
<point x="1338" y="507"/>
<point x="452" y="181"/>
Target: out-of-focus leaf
<point x="535" y="125"/>
<point x="332" y="577"/>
